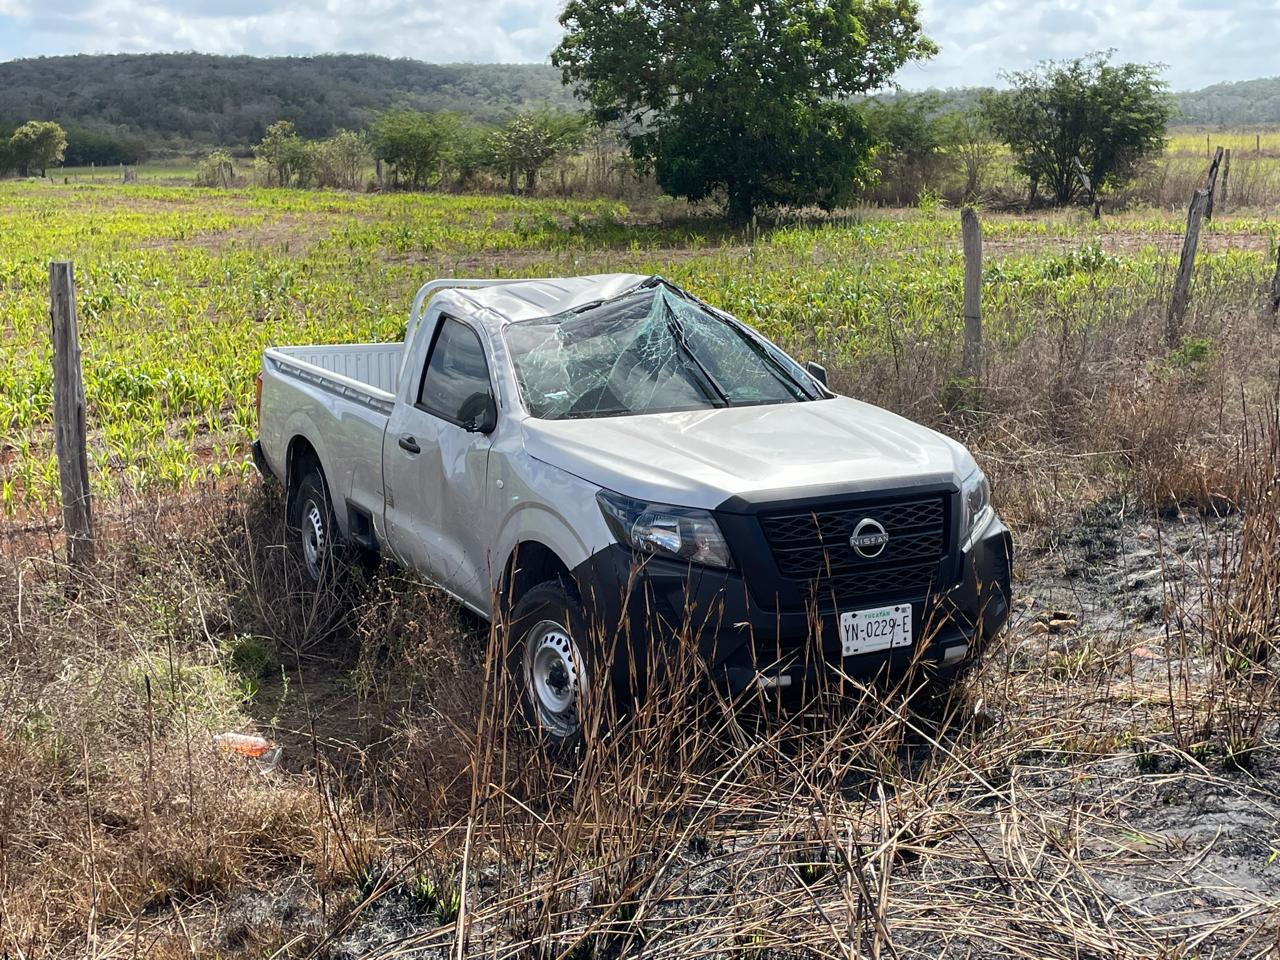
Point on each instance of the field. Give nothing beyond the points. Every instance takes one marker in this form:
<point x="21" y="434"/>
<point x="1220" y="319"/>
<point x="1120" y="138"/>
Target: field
<point x="213" y="277"/>
<point x="1104" y="784"/>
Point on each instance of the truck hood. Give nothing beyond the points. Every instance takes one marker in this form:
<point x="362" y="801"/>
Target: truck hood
<point x="703" y="458"/>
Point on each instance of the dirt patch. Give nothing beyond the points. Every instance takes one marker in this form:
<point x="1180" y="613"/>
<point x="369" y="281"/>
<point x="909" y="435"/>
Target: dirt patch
<point x="290" y="234"/>
<point x="1130" y="243"/>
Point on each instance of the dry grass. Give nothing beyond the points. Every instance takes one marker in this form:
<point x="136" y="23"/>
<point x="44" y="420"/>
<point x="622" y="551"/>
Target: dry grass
<point x="1104" y="792"/>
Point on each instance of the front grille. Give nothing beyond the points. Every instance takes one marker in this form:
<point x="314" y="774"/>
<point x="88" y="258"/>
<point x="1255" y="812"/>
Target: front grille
<point x="812" y="551"/>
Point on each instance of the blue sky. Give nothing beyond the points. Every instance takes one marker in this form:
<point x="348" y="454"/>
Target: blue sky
<point x="1201" y="41"/>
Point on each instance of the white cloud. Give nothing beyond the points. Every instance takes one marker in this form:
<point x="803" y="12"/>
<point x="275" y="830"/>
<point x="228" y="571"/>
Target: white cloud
<point x="436" y="30"/>
<point x="1202" y="41"/>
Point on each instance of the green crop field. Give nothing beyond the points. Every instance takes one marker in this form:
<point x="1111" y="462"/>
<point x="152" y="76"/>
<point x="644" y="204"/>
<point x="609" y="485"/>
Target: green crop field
<point x="1104" y="775"/>
<point x="181" y="288"/>
<point x="1243" y="142"/>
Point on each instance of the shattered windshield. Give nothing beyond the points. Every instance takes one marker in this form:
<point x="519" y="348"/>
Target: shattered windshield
<point x="648" y="351"/>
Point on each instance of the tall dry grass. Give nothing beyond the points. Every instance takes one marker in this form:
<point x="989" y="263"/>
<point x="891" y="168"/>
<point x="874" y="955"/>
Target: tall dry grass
<point x="1011" y="816"/>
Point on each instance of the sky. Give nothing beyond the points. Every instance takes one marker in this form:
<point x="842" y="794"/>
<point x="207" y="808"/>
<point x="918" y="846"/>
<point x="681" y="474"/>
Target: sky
<point x="1200" y="41"/>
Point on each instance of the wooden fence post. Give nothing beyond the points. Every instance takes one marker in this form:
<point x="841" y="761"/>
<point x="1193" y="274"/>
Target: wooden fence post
<point x="1275" y="287"/>
<point x="1226" y="180"/>
<point x="69" y="415"/>
<point x="1211" y="182"/>
<point x="1186" y="265"/>
<point x="971" y="233"/>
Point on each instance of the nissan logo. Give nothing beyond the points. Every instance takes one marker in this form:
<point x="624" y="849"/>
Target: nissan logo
<point x="869" y="538"/>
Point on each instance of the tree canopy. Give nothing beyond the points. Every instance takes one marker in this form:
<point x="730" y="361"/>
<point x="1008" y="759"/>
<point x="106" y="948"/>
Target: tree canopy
<point x="1109" y="116"/>
<point x="533" y="138"/>
<point x="412" y="143"/>
<point x="37" y="145"/>
<point x="738" y="99"/>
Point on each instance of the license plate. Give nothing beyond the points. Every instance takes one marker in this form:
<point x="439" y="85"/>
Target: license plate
<point x="881" y="628"/>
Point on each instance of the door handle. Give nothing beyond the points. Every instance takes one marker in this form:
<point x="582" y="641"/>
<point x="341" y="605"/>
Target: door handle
<point x="410" y="444"/>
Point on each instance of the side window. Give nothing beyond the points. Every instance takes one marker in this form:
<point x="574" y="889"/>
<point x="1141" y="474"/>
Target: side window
<point x="455" y="384"/>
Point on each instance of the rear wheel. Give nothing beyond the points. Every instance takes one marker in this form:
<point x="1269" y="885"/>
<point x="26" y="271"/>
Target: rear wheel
<point x="549" y="663"/>
<point x="313" y="525"/>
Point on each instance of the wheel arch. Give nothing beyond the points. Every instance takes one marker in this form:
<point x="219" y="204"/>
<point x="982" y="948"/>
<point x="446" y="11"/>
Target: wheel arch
<point x="298" y="454"/>
<point x="529" y="563"/>
<point x="304" y="447"/>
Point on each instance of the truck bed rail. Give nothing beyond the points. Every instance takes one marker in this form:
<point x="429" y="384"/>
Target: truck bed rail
<point x="361" y="373"/>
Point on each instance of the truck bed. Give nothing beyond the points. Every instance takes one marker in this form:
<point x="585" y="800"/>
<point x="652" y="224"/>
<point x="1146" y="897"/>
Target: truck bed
<point x="365" y="372"/>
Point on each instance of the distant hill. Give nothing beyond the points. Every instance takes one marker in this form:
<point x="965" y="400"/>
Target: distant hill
<point x="119" y="107"/>
<point x="181" y="100"/>
<point x="1247" y="103"/>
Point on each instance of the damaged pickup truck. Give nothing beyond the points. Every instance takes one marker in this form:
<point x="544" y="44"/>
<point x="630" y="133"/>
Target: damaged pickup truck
<point x="611" y="456"/>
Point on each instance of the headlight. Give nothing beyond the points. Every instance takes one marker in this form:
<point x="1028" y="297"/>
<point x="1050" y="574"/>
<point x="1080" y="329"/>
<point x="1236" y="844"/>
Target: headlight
<point x="976" y="493"/>
<point x="680" y="532"/>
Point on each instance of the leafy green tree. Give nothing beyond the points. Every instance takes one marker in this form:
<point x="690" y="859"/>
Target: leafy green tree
<point x="532" y="139"/>
<point x="342" y="159"/>
<point x="85" y="147"/>
<point x="215" y="170"/>
<point x="910" y="137"/>
<point x="970" y="143"/>
<point x="37" y="145"/>
<point x="471" y="154"/>
<point x="413" y="144"/>
<point x="1110" y="116"/>
<point x="739" y="99"/>
<point x="283" y="154"/>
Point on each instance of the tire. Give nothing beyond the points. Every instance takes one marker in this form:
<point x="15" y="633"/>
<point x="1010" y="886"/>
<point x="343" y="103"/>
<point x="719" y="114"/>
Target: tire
<point x="313" y="526"/>
<point x="549" y="664"/>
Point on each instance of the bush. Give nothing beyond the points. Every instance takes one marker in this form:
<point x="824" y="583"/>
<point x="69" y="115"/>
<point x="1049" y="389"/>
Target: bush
<point x="1108" y="117"/>
<point x="90" y="148"/>
<point x="216" y="170"/>
<point x="340" y="161"/>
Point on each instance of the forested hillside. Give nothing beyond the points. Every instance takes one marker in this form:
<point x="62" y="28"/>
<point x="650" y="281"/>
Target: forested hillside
<point x="120" y="107"/>
<point x="186" y="99"/>
<point x="1247" y="103"/>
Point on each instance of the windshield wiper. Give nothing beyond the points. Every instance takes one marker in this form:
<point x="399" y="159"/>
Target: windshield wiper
<point x="779" y="367"/>
<point x="677" y="332"/>
<point x="752" y="344"/>
<point x="760" y="350"/>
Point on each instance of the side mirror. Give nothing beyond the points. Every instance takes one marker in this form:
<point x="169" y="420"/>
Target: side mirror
<point x="817" y="371"/>
<point x="485" y="420"/>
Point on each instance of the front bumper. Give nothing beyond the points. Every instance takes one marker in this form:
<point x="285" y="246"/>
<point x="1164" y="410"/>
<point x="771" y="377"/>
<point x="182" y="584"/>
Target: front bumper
<point x="634" y="603"/>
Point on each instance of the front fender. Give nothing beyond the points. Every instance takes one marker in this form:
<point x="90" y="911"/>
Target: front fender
<point x="544" y="504"/>
<point x="536" y="523"/>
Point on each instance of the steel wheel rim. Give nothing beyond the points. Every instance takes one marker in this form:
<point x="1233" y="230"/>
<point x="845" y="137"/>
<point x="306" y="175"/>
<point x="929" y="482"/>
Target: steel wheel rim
<point x="313" y="538"/>
<point x="555" y="677"/>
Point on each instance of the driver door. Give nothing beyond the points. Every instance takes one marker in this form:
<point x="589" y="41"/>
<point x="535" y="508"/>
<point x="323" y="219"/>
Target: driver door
<point x="435" y="465"/>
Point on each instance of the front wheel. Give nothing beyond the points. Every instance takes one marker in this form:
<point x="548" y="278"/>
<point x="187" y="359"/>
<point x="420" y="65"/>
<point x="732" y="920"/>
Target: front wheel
<point x="549" y="664"/>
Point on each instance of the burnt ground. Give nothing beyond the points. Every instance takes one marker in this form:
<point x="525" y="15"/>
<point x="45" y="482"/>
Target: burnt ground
<point x="1123" y="831"/>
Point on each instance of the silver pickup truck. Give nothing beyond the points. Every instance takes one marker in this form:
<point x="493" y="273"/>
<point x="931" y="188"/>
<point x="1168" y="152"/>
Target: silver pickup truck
<point x="611" y="456"/>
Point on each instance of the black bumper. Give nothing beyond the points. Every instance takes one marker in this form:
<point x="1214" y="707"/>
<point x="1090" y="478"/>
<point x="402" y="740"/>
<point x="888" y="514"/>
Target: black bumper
<point x="744" y="642"/>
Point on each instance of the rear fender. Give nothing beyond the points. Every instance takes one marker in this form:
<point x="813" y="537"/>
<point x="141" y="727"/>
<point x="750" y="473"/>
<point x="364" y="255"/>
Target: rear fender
<point x="300" y="424"/>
